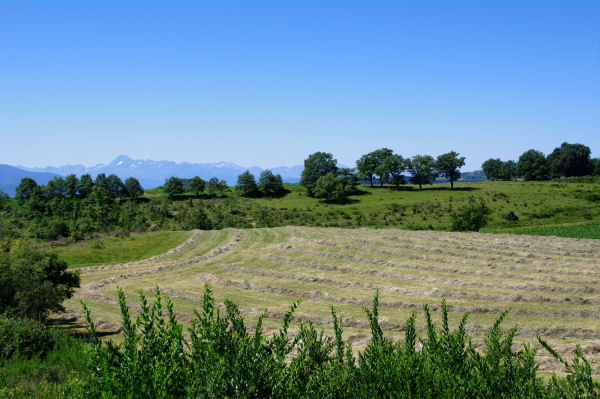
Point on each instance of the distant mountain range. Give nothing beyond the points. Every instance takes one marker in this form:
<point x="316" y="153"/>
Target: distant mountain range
<point x="153" y="173"/>
<point x="10" y="177"/>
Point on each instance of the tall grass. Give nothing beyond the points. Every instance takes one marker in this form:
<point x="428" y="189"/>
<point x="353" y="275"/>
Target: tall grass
<point x="220" y="357"/>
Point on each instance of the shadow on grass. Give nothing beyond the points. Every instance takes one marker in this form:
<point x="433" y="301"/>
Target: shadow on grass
<point x="75" y="328"/>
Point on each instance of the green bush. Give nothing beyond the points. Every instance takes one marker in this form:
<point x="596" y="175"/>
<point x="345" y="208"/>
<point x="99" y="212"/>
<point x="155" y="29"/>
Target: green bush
<point x="511" y="216"/>
<point x="25" y="337"/>
<point x="33" y="283"/>
<point x="470" y="218"/>
<point x="222" y="359"/>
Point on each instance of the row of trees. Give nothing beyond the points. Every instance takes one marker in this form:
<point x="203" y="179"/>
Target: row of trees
<point x="323" y="179"/>
<point x="565" y="161"/>
<point x="424" y="169"/>
<point x="269" y="184"/>
<point x="72" y="187"/>
<point x="175" y="186"/>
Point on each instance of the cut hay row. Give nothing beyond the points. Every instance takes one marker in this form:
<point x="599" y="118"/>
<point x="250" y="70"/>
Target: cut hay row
<point x="551" y="285"/>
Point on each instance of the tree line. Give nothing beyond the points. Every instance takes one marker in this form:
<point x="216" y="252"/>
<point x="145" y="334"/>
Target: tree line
<point x="322" y="178"/>
<point x="568" y="160"/>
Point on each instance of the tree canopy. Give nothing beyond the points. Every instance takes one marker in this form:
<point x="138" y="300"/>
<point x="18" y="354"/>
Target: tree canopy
<point x="422" y="170"/>
<point x="197" y="185"/>
<point x="269" y="183"/>
<point x="448" y="166"/>
<point x="173" y="187"/>
<point x="570" y="160"/>
<point x="133" y="188"/>
<point x="315" y="166"/>
<point x="246" y="183"/>
<point x="533" y="165"/>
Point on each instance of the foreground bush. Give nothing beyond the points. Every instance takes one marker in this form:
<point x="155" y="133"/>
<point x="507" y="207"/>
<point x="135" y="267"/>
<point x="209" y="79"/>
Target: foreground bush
<point x="26" y="338"/>
<point x="222" y="359"/>
<point x="40" y="362"/>
<point x="32" y="283"/>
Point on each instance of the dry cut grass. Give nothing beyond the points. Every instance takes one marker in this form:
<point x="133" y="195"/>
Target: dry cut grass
<point x="551" y="284"/>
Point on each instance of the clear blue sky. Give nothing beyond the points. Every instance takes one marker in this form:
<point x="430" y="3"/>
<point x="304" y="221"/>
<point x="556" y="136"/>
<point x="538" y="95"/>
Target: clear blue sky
<point x="268" y="82"/>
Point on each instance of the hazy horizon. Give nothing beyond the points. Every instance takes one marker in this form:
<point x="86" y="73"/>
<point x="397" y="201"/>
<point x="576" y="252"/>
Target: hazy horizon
<point x="268" y="83"/>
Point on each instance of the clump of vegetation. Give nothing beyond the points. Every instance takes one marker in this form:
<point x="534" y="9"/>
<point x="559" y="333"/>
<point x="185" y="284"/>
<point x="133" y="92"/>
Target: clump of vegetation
<point x="33" y="283"/>
<point x="223" y="359"/>
<point x="471" y="217"/>
<point x="511" y="216"/>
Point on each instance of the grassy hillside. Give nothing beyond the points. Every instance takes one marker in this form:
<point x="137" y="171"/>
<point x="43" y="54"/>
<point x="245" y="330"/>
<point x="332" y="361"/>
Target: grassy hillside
<point x="110" y="250"/>
<point x="533" y="204"/>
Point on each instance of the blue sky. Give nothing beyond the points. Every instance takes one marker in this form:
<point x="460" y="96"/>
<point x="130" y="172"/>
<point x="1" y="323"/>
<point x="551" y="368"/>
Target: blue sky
<point x="268" y="82"/>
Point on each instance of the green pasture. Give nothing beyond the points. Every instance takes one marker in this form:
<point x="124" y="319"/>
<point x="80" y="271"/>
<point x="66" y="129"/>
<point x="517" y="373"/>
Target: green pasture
<point x="111" y="250"/>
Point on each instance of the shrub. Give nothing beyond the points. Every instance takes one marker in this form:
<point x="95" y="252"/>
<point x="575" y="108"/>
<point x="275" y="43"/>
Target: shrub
<point x="471" y="217"/>
<point x="32" y="283"/>
<point x="222" y="358"/>
<point x="25" y="337"/>
<point x="511" y="216"/>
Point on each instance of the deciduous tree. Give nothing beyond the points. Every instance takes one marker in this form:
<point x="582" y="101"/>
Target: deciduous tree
<point x="315" y="166"/>
<point x="197" y="185"/>
<point x="422" y="170"/>
<point x="269" y="183"/>
<point x="448" y="165"/>
<point x="570" y="160"/>
<point x="533" y="165"/>
<point x="173" y="187"/>
<point x="246" y="183"/>
<point x="133" y="188"/>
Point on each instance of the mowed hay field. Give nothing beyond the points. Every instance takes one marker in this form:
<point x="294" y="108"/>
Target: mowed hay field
<point x="551" y="284"/>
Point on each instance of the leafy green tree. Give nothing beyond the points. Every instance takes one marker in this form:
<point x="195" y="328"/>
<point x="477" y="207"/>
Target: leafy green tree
<point x="71" y="185"/>
<point x="491" y="168"/>
<point x="315" y="166"/>
<point x="495" y="169"/>
<point x="382" y="167"/>
<point x="394" y="166"/>
<point x="213" y="186"/>
<point x="246" y="183"/>
<point x="570" y="160"/>
<point x="533" y="165"/>
<point x="331" y="188"/>
<point x="367" y="165"/>
<point x="350" y="178"/>
<point x="448" y="166"/>
<point x="197" y="185"/>
<point x="27" y="189"/>
<point x="173" y="187"/>
<point x="114" y="185"/>
<point x="86" y="185"/>
<point x="101" y="180"/>
<point x="269" y="183"/>
<point x="508" y="170"/>
<point x="103" y="206"/>
<point x="55" y="188"/>
<point x="33" y="283"/>
<point x="133" y="188"/>
<point x="422" y="170"/>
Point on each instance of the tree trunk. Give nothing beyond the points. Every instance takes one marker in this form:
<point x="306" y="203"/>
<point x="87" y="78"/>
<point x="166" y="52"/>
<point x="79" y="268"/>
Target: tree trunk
<point x="451" y="184"/>
<point x="371" y="178"/>
<point x="420" y="187"/>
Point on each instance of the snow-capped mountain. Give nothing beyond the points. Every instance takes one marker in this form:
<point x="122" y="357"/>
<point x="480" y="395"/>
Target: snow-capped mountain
<point x="152" y="173"/>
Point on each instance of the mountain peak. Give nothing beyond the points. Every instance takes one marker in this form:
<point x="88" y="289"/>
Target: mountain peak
<point x="121" y="158"/>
